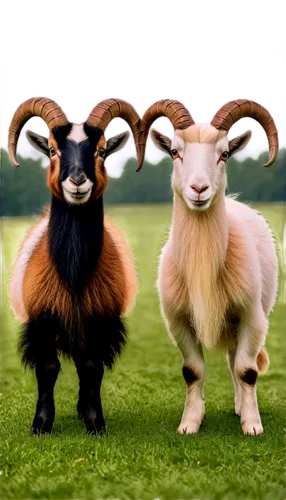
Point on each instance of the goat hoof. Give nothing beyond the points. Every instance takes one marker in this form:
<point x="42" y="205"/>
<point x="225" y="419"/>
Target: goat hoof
<point x="96" y="432"/>
<point x="95" y="425"/>
<point x="237" y="407"/>
<point x="95" y="428"/>
<point x="252" y="428"/>
<point x="42" y="424"/>
<point x="189" y="428"/>
<point x="80" y="410"/>
<point x="94" y="421"/>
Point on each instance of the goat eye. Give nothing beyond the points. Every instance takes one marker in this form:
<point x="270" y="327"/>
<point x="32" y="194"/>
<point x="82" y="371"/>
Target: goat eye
<point x="224" y="156"/>
<point x="101" y="152"/>
<point x="52" y="152"/>
<point x="174" y="152"/>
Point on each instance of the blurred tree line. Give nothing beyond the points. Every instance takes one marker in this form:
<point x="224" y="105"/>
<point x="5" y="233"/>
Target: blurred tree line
<point x="24" y="190"/>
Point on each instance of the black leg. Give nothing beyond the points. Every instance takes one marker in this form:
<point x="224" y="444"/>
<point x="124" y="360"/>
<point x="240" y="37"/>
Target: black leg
<point x="90" y="373"/>
<point x="105" y="336"/>
<point x="38" y="348"/>
<point x="47" y="374"/>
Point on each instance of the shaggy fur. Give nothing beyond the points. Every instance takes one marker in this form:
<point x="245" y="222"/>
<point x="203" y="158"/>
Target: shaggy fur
<point x="209" y="270"/>
<point x="105" y="336"/>
<point x="112" y="289"/>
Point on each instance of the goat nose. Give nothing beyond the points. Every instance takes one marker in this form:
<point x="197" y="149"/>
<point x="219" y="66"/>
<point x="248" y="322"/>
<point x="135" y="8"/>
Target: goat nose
<point x="199" y="189"/>
<point x="78" y="179"/>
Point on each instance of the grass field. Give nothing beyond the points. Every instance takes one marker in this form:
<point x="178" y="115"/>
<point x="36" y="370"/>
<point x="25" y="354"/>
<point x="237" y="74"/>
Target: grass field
<point x="143" y="457"/>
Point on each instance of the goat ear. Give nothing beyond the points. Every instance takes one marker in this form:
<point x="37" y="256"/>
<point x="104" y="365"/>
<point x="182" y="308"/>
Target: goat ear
<point x="239" y="142"/>
<point x="38" y="142"/>
<point x="115" y="143"/>
<point x="161" y="141"/>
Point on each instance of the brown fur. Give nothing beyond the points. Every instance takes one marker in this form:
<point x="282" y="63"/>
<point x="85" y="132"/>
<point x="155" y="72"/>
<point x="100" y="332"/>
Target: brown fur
<point x="262" y="360"/>
<point x="16" y="279"/>
<point x="54" y="171"/>
<point x="100" y="171"/>
<point x="111" y="289"/>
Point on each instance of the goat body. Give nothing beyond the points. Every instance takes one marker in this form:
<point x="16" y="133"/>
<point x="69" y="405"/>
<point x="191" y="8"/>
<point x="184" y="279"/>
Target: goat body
<point x="74" y="277"/>
<point x="89" y="273"/>
<point x="216" y="266"/>
<point x="71" y="286"/>
<point x="218" y="270"/>
<point x="217" y="284"/>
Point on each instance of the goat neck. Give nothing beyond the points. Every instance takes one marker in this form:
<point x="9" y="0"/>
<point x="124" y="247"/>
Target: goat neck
<point x="199" y="239"/>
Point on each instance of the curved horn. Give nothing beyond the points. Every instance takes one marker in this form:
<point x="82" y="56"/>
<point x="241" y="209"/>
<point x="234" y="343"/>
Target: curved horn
<point x="174" y="110"/>
<point x="47" y="109"/>
<point x="233" y="111"/>
<point x="106" y="110"/>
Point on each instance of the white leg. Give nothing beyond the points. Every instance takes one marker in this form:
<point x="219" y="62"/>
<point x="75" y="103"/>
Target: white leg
<point x="193" y="372"/>
<point x="250" y="339"/>
<point x="236" y="384"/>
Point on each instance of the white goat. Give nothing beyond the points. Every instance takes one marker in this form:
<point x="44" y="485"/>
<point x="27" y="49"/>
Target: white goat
<point x="218" y="270"/>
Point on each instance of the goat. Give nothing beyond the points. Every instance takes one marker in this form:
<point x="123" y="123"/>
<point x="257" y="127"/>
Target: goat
<point x="217" y="276"/>
<point x="74" y="278"/>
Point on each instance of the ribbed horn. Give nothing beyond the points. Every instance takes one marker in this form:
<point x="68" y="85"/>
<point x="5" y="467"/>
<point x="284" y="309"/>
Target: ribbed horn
<point x="106" y="110"/>
<point x="233" y="111"/>
<point x="47" y="109"/>
<point x="174" y="110"/>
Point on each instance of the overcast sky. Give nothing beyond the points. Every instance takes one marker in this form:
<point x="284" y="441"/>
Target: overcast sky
<point x="202" y="53"/>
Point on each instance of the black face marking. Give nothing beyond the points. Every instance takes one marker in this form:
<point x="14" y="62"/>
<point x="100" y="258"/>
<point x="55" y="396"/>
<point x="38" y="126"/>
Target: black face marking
<point x="189" y="375"/>
<point x="77" y="158"/>
<point x="93" y="133"/>
<point x="249" y="376"/>
<point x="60" y="133"/>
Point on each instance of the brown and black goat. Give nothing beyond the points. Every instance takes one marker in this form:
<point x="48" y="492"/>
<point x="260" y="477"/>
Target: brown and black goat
<point x="74" y="279"/>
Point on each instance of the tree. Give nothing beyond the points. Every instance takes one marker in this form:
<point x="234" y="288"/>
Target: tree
<point x="24" y="190"/>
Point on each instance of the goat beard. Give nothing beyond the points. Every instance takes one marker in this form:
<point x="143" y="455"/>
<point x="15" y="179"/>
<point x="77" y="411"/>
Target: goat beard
<point x="208" y="315"/>
<point x="200" y="251"/>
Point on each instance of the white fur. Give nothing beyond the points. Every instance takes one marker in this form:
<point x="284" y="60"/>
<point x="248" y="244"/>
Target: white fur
<point x="196" y="168"/>
<point x="16" y="284"/>
<point x="70" y="188"/>
<point x="77" y="133"/>
<point x="193" y="356"/>
<point x="217" y="275"/>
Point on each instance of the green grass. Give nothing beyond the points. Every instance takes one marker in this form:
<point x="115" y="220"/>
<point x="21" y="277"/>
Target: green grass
<point x="143" y="457"/>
